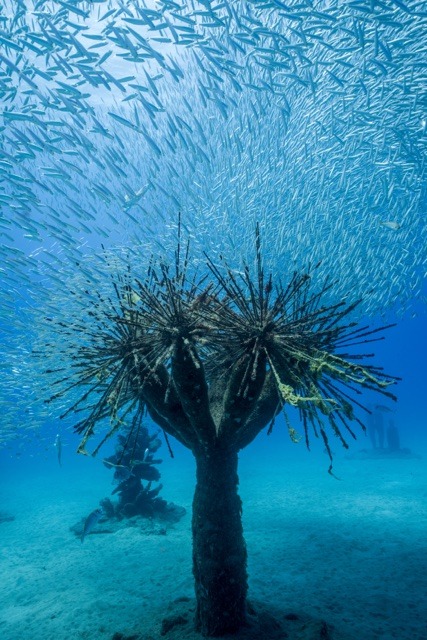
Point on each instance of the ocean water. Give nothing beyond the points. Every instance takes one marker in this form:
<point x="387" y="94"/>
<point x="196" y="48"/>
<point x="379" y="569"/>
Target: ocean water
<point x="213" y="140"/>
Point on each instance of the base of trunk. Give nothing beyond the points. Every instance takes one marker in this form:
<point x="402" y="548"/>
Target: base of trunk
<point x="263" y="622"/>
<point x="219" y="550"/>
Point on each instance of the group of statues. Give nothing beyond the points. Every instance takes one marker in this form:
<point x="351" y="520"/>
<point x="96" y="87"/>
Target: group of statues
<point x="382" y="436"/>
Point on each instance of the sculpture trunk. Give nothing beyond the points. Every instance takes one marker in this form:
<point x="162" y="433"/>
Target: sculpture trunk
<point x="219" y="550"/>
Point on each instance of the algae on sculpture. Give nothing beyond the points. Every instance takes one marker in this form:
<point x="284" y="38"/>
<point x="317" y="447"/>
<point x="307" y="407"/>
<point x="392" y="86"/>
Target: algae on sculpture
<point x="214" y="359"/>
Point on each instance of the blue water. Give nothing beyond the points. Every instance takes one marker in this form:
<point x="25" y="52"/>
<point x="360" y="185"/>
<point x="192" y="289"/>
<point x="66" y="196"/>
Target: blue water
<point x="348" y="550"/>
<point x="125" y="125"/>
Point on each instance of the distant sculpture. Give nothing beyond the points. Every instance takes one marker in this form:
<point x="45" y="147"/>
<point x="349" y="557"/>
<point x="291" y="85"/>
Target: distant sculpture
<point x="376" y="429"/>
<point x="385" y="441"/>
<point x="133" y="462"/>
<point x="393" y="439"/>
<point x="377" y="432"/>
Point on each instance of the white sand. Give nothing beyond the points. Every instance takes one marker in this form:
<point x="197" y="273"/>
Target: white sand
<point x="352" y="552"/>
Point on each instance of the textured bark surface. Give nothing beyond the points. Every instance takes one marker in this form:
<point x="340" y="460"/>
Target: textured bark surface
<point x="219" y="550"/>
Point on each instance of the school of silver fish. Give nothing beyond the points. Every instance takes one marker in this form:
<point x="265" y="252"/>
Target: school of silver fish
<point x="307" y="116"/>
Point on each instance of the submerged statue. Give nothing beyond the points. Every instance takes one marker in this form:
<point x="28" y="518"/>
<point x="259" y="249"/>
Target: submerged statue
<point x="385" y="439"/>
<point x="214" y="360"/>
<point x="133" y="463"/>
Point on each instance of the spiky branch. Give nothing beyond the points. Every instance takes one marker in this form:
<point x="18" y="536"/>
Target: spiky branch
<point x="214" y="360"/>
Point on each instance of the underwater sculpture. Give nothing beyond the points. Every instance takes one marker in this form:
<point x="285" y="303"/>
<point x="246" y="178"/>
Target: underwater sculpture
<point x="214" y="360"/>
<point x="133" y="462"/>
<point x="385" y="441"/>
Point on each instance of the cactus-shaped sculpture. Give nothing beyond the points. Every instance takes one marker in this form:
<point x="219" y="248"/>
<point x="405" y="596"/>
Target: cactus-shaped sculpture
<point x="214" y="360"/>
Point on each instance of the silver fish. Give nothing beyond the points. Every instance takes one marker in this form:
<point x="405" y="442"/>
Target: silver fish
<point x="58" y="445"/>
<point x="91" y="521"/>
<point x="390" y="224"/>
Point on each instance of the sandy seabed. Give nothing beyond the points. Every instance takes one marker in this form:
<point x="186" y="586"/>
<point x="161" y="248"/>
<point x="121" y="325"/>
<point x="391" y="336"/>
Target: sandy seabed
<point x="349" y="553"/>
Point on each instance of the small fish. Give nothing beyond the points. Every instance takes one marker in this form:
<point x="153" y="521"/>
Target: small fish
<point x="58" y="445"/>
<point x="91" y="521"/>
<point x="390" y="224"/>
